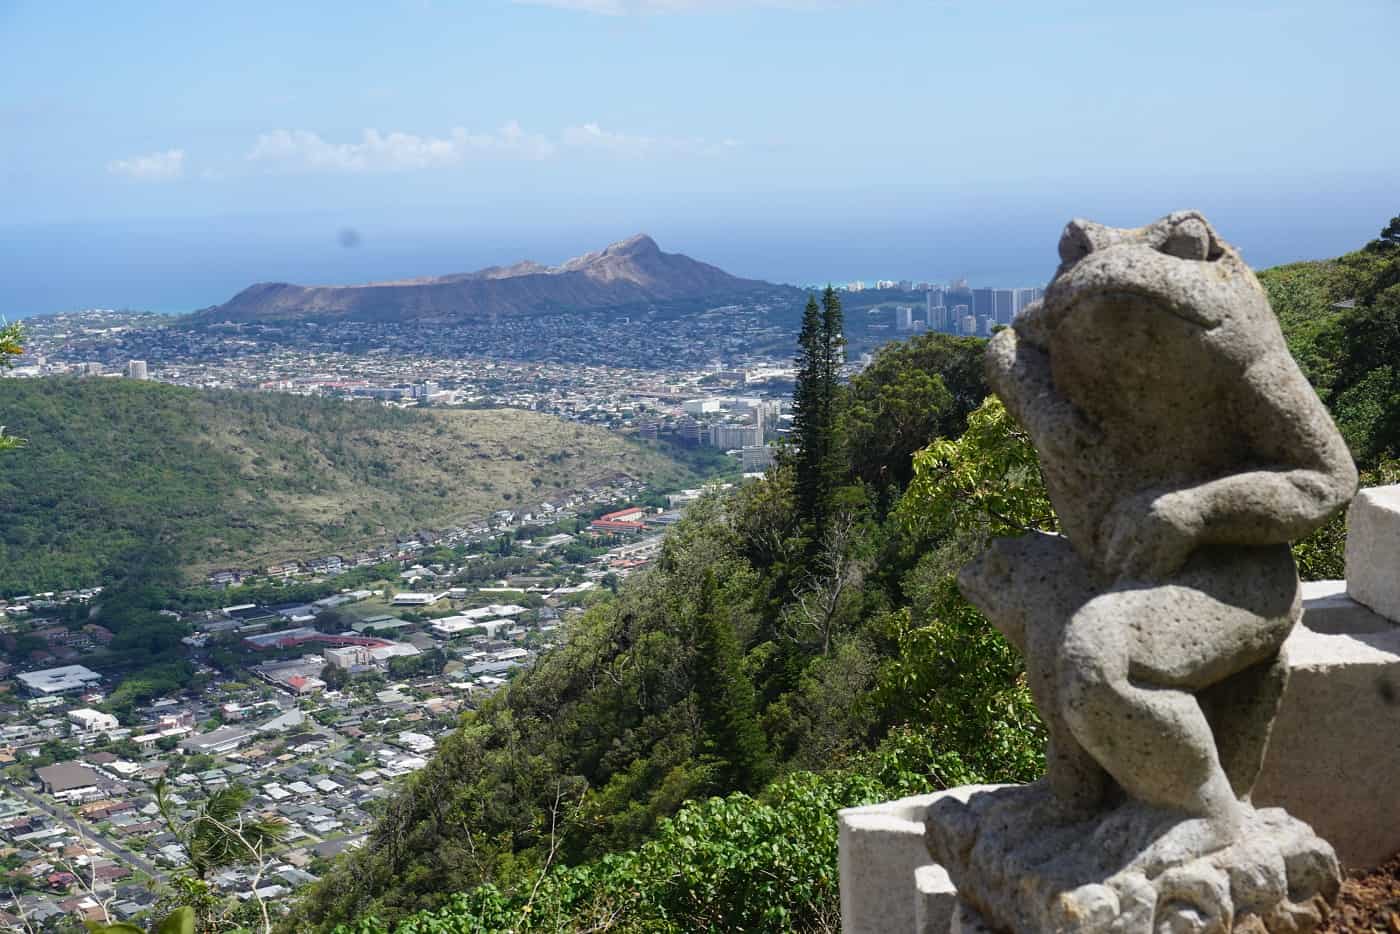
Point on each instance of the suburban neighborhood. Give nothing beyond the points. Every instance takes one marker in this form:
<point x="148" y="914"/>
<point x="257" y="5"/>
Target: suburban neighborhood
<point x="316" y="705"/>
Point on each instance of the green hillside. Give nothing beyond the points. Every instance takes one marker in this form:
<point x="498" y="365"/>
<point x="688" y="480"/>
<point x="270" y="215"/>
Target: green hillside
<point x="1342" y="321"/>
<point x="598" y="792"/>
<point x="242" y="479"/>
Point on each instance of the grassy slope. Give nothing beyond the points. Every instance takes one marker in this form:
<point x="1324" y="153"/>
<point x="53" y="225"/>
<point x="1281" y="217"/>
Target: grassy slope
<point x="241" y="479"/>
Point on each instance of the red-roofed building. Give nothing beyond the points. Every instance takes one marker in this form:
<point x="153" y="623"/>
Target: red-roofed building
<point x="627" y="521"/>
<point x="611" y="527"/>
<point x="630" y="514"/>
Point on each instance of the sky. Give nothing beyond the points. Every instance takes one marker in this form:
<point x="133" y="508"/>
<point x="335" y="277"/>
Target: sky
<point x="164" y="155"/>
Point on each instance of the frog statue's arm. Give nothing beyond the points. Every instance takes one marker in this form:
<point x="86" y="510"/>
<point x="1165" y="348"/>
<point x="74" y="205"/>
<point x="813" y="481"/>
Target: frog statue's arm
<point x="1305" y="472"/>
<point x="1018" y="368"/>
<point x="1302" y="473"/>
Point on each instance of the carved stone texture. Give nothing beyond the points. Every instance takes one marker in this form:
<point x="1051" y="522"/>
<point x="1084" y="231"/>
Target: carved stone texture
<point x="1134" y="870"/>
<point x="1182" y="449"/>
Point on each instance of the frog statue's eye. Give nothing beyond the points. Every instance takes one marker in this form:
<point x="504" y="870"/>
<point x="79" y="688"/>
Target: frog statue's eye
<point x="1081" y="237"/>
<point x="1188" y="238"/>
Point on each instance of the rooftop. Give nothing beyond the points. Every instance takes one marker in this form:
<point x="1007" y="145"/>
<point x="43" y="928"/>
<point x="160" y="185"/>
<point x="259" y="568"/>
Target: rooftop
<point x="59" y="680"/>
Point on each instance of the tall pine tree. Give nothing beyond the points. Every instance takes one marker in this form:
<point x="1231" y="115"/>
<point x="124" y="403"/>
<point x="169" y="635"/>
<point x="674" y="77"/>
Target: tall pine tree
<point x="833" y="464"/>
<point x="808" y="415"/>
<point x="815" y="403"/>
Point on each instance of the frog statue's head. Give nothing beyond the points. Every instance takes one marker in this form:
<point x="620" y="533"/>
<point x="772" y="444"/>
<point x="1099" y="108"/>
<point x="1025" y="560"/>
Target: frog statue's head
<point x="1178" y="264"/>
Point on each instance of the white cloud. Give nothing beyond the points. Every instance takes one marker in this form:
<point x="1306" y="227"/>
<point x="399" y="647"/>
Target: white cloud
<point x="306" y="151"/>
<point x="393" y="152"/>
<point x="592" y="136"/>
<point x="154" y="167"/>
<point x="624" y="7"/>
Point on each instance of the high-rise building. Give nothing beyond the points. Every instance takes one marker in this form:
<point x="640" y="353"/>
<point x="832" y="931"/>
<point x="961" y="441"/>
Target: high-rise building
<point x="983" y="303"/>
<point x="968" y="323"/>
<point x="729" y="437"/>
<point x="1004" y="305"/>
<point x="136" y="369"/>
<point x="92" y="369"/>
<point x="701" y="406"/>
<point x="933" y="300"/>
<point x="938" y="319"/>
<point x="904" y="318"/>
<point x="958" y="294"/>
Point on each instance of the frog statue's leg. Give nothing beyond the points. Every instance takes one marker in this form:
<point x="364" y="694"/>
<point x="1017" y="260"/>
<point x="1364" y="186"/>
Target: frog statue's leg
<point x="1241" y="711"/>
<point x="1134" y="658"/>
<point x="1030" y="588"/>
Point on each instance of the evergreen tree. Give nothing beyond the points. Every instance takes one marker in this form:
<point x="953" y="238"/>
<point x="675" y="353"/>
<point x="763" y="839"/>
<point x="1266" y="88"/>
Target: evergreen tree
<point x="807" y="414"/>
<point x="818" y="462"/>
<point x="833" y="465"/>
<point x="733" y="738"/>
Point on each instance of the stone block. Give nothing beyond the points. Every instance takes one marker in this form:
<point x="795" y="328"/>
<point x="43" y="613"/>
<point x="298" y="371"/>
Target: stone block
<point x="1373" y="550"/>
<point x="881" y="849"/>
<point x="937" y="900"/>
<point x="1334" y="753"/>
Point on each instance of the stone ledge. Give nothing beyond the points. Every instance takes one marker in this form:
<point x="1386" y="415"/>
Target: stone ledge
<point x="1329" y="609"/>
<point x="1373" y="549"/>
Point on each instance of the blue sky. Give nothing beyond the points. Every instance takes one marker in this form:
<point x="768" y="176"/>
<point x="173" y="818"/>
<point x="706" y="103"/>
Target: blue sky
<point x="165" y="154"/>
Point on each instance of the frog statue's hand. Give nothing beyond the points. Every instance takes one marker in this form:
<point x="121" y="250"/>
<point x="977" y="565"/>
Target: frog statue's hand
<point x="1019" y="372"/>
<point x="1149" y="535"/>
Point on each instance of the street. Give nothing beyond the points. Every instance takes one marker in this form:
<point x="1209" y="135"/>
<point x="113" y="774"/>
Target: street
<point x="119" y="852"/>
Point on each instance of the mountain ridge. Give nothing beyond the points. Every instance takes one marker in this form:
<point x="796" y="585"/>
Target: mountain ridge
<point x="631" y="271"/>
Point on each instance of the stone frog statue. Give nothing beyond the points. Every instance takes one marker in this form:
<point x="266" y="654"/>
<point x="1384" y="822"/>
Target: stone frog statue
<point x="1183" y="450"/>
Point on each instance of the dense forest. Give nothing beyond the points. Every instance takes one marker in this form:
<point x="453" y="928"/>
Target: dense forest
<point x="799" y="646"/>
<point x="112" y="467"/>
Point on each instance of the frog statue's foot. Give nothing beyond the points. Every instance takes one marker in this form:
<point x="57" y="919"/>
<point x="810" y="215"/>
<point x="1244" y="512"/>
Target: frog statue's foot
<point x="1135" y="869"/>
